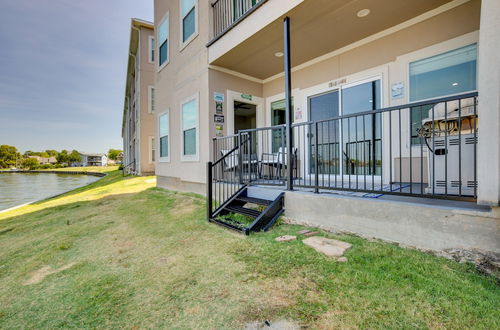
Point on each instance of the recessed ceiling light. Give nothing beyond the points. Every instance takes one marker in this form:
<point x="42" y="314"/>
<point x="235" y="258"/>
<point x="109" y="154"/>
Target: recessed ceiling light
<point x="278" y="54"/>
<point x="455" y="84"/>
<point x="363" y="13"/>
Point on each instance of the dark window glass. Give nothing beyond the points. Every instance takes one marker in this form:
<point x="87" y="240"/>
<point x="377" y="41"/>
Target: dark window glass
<point x="188" y="25"/>
<point x="164" y="52"/>
<point x="190" y="142"/>
<point x="164" y="146"/>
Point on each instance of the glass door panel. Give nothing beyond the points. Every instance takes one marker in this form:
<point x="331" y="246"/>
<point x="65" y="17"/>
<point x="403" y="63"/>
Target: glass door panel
<point x="361" y="135"/>
<point x="321" y="107"/>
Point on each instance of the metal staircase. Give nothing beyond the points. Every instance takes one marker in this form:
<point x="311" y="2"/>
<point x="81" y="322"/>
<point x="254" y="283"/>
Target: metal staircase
<point x="233" y="201"/>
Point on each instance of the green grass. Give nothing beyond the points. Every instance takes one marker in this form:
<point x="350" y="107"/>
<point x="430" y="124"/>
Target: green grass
<point x="121" y="253"/>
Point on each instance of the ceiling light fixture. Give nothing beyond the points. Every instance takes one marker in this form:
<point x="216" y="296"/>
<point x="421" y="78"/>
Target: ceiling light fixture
<point x="363" y="13"/>
<point x="455" y="84"/>
<point x="278" y="54"/>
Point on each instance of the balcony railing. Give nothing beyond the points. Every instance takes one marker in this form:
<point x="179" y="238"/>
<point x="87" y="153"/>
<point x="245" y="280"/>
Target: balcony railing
<point x="228" y="13"/>
<point x="423" y="149"/>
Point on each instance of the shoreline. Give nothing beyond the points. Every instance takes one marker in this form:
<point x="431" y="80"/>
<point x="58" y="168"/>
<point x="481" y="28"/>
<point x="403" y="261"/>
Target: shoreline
<point x="101" y="175"/>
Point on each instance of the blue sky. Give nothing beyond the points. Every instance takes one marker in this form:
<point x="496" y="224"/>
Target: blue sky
<point x="62" y="72"/>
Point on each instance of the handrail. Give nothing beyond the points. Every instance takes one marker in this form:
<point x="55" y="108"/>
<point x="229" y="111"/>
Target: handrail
<point x="395" y="107"/>
<point x="229" y="153"/>
<point x="128" y="165"/>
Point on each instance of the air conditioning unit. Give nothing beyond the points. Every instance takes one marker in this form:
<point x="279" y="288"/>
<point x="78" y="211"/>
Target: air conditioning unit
<point x="451" y="170"/>
<point x="452" y="141"/>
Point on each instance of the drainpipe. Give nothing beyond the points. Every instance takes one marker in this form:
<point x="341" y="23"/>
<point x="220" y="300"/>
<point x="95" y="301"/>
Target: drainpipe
<point x="288" y="101"/>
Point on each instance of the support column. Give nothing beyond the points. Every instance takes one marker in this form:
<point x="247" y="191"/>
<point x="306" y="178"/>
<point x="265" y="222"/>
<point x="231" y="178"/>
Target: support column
<point x="488" y="151"/>
<point x="288" y="101"/>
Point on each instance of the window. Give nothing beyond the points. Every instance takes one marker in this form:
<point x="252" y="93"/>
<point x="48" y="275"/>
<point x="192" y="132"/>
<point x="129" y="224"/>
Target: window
<point x="188" y="19"/>
<point x="163" y="121"/>
<point x="153" y="149"/>
<point x="151" y="49"/>
<point x="151" y="97"/>
<point x="163" y="41"/>
<point x="189" y="127"/>
<point x="449" y="73"/>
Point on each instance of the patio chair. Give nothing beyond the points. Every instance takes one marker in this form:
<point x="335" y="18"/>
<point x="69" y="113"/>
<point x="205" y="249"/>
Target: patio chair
<point x="232" y="162"/>
<point x="278" y="161"/>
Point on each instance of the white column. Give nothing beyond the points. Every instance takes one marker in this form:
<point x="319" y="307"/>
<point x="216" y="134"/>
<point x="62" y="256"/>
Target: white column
<point x="488" y="152"/>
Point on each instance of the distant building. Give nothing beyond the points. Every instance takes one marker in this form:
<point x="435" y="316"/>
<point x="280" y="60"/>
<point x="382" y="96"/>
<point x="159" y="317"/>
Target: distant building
<point x="139" y="106"/>
<point x="44" y="160"/>
<point x="90" y="159"/>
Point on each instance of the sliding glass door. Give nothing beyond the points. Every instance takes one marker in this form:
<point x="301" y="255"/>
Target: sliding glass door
<point x="350" y="144"/>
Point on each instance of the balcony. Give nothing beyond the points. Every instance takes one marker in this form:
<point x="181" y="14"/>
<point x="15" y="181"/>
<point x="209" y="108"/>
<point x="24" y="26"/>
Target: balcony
<point x="228" y="13"/>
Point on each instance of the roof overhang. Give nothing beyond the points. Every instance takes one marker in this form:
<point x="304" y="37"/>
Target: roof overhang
<point x="319" y="27"/>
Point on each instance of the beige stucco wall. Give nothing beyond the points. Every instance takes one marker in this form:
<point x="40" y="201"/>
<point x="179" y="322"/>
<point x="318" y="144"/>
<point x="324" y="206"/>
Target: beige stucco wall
<point x="146" y="119"/>
<point x="184" y="76"/>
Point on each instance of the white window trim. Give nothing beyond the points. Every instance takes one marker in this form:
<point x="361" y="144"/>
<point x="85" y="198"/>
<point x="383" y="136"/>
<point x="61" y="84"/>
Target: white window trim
<point x="182" y="44"/>
<point x="433" y="50"/>
<point x="151" y="39"/>
<point x="151" y="144"/>
<point x="150" y="104"/>
<point x="195" y="157"/>
<point x="158" y="153"/>
<point x="157" y="44"/>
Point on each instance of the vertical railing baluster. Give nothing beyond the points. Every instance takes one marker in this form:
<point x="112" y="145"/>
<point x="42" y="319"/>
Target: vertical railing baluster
<point x="433" y="154"/>
<point x="459" y="147"/>
<point x="446" y="148"/>
<point x="316" y="160"/>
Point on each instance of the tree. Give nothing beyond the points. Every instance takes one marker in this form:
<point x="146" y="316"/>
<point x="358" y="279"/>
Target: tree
<point x="74" y="157"/>
<point x="8" y="156"/>
<point x="51" y="153"/>
<point x="62" y="157"/>
<point x="114" y="153"/>
<point x="30" y="163"/>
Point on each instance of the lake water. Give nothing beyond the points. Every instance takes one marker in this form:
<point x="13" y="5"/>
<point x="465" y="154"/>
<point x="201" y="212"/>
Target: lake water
<point x="21" y="188"/>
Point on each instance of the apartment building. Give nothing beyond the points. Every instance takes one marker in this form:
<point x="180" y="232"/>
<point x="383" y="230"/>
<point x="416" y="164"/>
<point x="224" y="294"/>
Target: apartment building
<point x="138" y="127"/>
<point x="92" y="159"/>
<point x="365" y="114"/>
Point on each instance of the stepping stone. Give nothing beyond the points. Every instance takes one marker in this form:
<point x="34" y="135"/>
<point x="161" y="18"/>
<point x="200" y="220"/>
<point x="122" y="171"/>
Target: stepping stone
<point x="327" y="246"/>
<point x="285" y="238"/>
<point x="311" y="233"/>
<point x="303" y="232"/>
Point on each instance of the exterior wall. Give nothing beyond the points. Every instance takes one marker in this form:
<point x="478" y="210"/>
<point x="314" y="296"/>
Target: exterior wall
<point x="138" y="126"/>
<point x="185" y="75"/>
<point x="489" y="94"/>
<point x="146" y="119"/>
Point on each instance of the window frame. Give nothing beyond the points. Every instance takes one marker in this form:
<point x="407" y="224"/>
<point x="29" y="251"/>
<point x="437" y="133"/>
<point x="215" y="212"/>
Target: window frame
<point x="165" y="159"/>
<point x="182" y="43"/>
<point x="425" y="54"/>
<point x="196" y="156"/>
<point x="164" y="64"/>
<point x="152" y="49"/>
<point x="151" y="105"/>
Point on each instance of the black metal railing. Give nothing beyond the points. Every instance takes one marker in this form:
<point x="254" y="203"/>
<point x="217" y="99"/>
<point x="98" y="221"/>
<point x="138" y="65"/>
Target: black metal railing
<point x="228" y="13"/>
<point x="425" y="149"/>
<point x="129" y="168"/>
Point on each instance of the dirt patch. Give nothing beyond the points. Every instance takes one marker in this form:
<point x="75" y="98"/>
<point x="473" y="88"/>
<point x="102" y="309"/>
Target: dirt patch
<point x="182" y="207"/>
<point x="45" y="271"/>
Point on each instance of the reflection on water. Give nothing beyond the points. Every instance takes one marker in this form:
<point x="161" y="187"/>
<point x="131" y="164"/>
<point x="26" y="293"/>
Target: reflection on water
<point x="21" y="188"/>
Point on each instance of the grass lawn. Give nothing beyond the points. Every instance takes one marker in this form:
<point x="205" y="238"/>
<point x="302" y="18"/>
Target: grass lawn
<point x="121" y="253"/>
